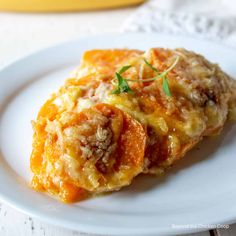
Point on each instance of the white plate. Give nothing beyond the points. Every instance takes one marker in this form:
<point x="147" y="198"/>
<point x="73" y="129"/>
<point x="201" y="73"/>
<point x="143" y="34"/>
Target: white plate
<point x="200" y="189"/>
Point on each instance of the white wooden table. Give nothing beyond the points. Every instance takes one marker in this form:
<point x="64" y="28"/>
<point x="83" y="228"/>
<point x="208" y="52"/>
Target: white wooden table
<point x="21" y="34"/>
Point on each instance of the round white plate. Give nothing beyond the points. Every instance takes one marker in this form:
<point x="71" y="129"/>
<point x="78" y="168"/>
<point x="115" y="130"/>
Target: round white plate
<point x="200" y="190"/>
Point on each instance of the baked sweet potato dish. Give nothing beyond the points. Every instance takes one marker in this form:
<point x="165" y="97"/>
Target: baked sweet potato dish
<point x="125" y="112"/>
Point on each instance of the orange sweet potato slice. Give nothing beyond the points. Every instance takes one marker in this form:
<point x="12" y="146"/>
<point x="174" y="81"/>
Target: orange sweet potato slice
<point x="47" y="112"/>
<point x="106" y="61"/>
<point x="117" y="154"/>
<point x="102" y="149"/>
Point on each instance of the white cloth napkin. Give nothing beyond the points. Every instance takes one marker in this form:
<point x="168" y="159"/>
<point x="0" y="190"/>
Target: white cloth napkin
<point x="212" y="19"/>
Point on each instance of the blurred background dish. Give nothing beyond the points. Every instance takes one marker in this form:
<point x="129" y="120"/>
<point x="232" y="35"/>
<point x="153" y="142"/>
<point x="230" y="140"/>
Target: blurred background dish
<point x="63" y="5"/>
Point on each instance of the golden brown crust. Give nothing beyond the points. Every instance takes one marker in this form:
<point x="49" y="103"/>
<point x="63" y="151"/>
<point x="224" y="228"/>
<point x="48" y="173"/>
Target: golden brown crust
<point x="144" y="131"/>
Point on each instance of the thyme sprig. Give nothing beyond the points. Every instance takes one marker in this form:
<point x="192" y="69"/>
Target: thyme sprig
<point x="123" y="86"/>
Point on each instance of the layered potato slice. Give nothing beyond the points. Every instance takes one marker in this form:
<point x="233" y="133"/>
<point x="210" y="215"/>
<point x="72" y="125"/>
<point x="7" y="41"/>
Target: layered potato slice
<point x="105" y="62"/>
<point x="89" y="138"/>
<point x="77" y="152"/>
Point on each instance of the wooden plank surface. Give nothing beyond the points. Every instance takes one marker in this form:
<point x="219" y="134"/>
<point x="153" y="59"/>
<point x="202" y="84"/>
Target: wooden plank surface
<point x="227" y="232"/>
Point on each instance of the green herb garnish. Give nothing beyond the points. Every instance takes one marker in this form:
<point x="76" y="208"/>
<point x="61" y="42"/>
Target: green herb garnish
<point x="148" y="64"/>
<point x="165" y="87"/>
<point x="123" y="69"/>
<point x="123" y="86"/>
<point x="163" y="75"/>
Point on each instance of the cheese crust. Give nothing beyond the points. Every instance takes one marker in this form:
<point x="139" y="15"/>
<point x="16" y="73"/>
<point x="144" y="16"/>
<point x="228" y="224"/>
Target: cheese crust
<point x="89" y="140"/>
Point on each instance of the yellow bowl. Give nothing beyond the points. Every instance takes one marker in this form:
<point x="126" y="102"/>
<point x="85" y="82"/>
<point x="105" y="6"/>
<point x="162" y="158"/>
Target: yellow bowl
<point x="62" y="5"/>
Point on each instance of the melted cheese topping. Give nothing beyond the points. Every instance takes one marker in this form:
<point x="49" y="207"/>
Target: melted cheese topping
<point x="72" y="155"/>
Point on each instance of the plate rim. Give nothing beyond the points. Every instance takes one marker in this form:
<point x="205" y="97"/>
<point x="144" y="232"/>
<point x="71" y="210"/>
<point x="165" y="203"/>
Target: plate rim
<point x="84" y="228"/>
